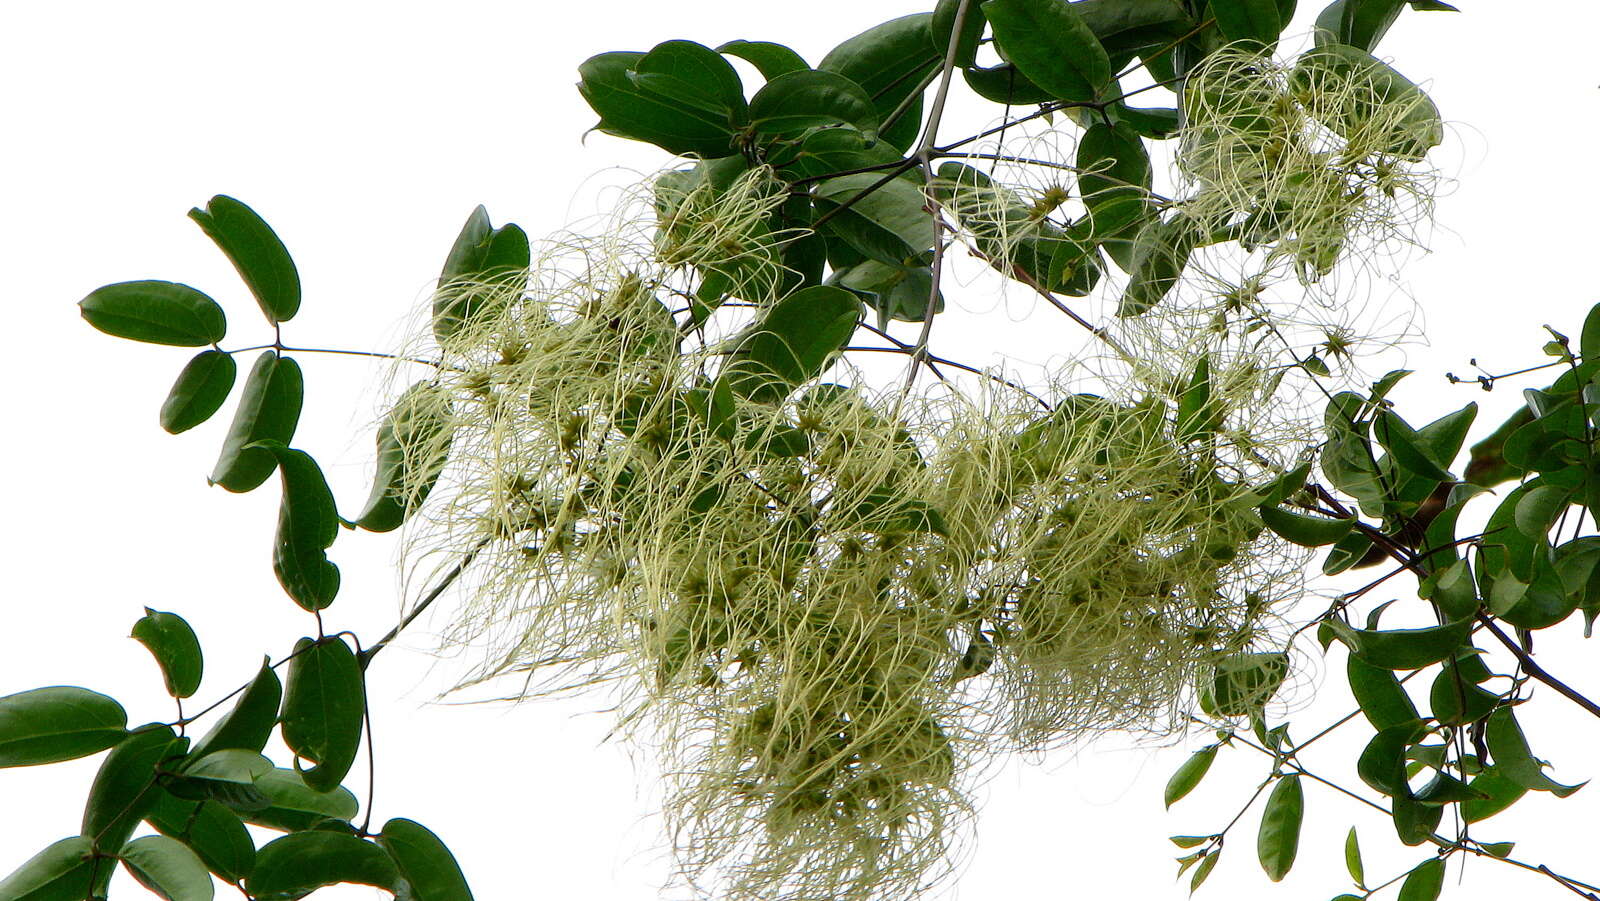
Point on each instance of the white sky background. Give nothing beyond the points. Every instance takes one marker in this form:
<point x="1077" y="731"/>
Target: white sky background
<point x="365" y="133"/>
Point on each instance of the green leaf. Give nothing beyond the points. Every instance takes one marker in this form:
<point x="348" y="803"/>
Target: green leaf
<point x="295" y="806"/>
<point x="1242" y="683"/>
<point x="1501" y="850"/>
<point x="1382" y="762"/>
<point x="1248" y="20"/>
<point x="1190" y="841"/>
<point x="296" y="865"/>
<point x="156" y="313"/>
<point x="1160" y="253"/>
<point x="890" y="61"/>
<point x="792" y="343"/>
<point x="1346" y="552"/>
<point x="1446" y="789"/>
<point x="1004" y="84"/>
<point x="63" y="722"/>
<point x="896" y="292"/>
<point x="1383" y="700"/>
<point x="482" y="258"/>
<point x="1367" y="102"/>
<point x="943" y="28"/>
<point x="1359" y="23"/>
<point x="1589" y="337"/>
<point x="1498" y="793"/>
<point x="199" y="392"/>
<point x="629" y="110"/>
<point x="1207" y="864"/>
<point x="323" y="704"/>
<point x="695" y="77"/>
<point x="1113" y="176"/>
<point x="269" y="410"/>
<point x="1515" y="761"/>
<point x="1455" y="700"/>
<point x="886" y="221"/>
<point x="770" y="59"/>
<point x="256" y="252"/>
<point x="176" y="649"/>
<point x="125" y="785"/>
<point x="1305" y="530"/>
<point x="413" y="445"/>
<point x="1424" y="882"/>
<point x="424" y="862"/>
<point x="211" y="830"/>
<point x="248" y="725"/>
<point x="1405" y="444"/>
<point x="1278" y="839"/>
<point x="1051" y="44"/>
<point x="1352" y="858"/>
<point x="1406" y="649"/>
<point x="167" y="867"/>
<point x="307" y="525"/>
<point x="1189" y="774"/>
<point x="1197" y="416"/>
<point x="65" y="871"/>
<point x="810" y="98"/>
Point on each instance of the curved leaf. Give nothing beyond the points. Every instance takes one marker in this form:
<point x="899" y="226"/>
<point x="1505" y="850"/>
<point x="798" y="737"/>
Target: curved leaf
<point x="1383" y="700"/>
<point x="770" y="59"/>
<point x="1303" y="529"/>
<point x="1352" y="858"/>
<point x="1004" y="84"/>
<point x="176" y="649"/>
<point x="199" y="392"/>
<point x="1424" y="882"/>
<point x="413" y="445"/>
<point x="1113" y="176"/>
<point x="1248" y="20"/>
<point x="424" y="862"/>
<point x="943" y="28"/>
<point x="1189" y="775"/>
<point x="248" y="725"/>
<point x="810" y="98"/>
<point x="323" y="704"/>
<point x="155" y="312"/>
<point x="1243" y="683"/>
<point x="256" y="252"/>
<point x="269" y="410"/>
<point x="886" y="221"/>
<point x="1406" y="649"/>
<point x="1278" y="839"/>
<point x="1515" y="761"/>
<point x="792" y="343"/>
<point x="65" y="871"/>
<point x="298" y="864"/>
<point x="307" y="525"/>
<point x="481" y="253"/>
<point x="890" y="61"/>
<point x="125" y="786"/>
<point x="211" y="830"/>
<point x="628" y="110"/>
<point x="295" y="806"/>
<point x="693" y="76"/>
<point x="1160" y="253"/>
<point x="63" y="722"/>
<point x="1051" y="44"/>
<point x="167" y="867"/>
<point x="1367" y="102"/>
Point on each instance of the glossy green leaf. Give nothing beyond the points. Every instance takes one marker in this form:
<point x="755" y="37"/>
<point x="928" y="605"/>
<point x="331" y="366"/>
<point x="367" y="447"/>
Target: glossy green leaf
<point x="1051" y="44"/>
<point x="630" y="111"/>
<point x="792" y="343"/>
<point x="269" y="410"/>
<point x="324" y="700"/>
<point x="155" y="312"/>
<point x="65" y="871"/>
<point x="413" y="446"/>
<point x="810" y="98"/>
<point x="63" y="722"/>
<point x="1589" y="337"/>
<point x="1381" y="697"/>
<point x="168" y="868"/>
<point x="1446" y="789"/>
<point x="1160" y="253"/>
<point x="1367" y="102"/>
<point x="199" y="392"/>
<point x="1424" y="882"/>
<point x="296" y="806"/>
<point x="176" y="649"/>
<point x="1113" y="176"/>
<point x="307" y="525"/>
<point x="1352" y="858"/>
<point x="1004" y="84"/>
<point x="298" y="864"/>
<point x="1515" y="761"/>
<point x="770" y="59"/>
<point x="693" y="76"/>
<point x="125" y="785"/>
<point x="1278" y="839"/>
<point x="482" y="258"/>
<point x="896" y="292"/>
<point x="886" y="221"/>
<point x="1189" y="774"/>
<point x="250" y="722"/>
<point x="1404" y="649"/>
<point x="424" y="862"/>
<point x="1405" y="444"/>
<point x="1303" y="529"/>
<point x="1498" y="794"/>
<point x="1381" y="764"/>
<point x="256" y="252"/>
<point x="211" y="830"/>
<point x="1456" y="700"/>
<point x="943" y="27"/>
<point x="1359" y="23"/>
<point x="1248" y="20"/>
<point x="890" y="61"/>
